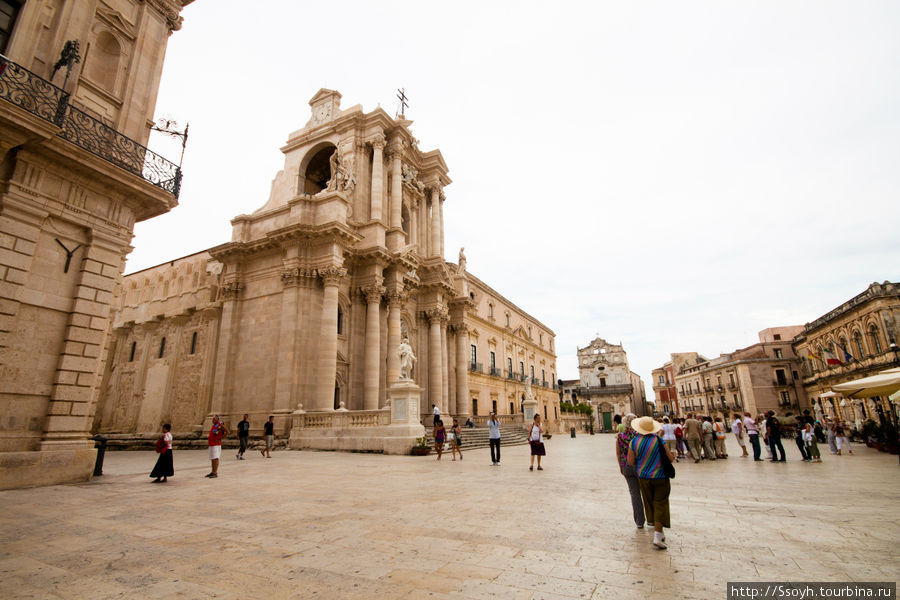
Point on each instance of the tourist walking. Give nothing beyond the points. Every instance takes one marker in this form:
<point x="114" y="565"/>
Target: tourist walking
<point x="812" y="444"/>
<point x="841" y="434"/>
<point x="693" y="432"/>
<point x="709" y="448"/>
<point x="243" y="429"/>
<point x="536" y="440"/>
<point x="436" y="414"/>
<point x="737" y="428"/>
<point x="164" y="467"/>
<point x="455" y="439"/>
<point x="646" y="455"/>
<point x="619" y="428"/>
<point x="773" y="433"/>
<point x="439" y="433"/>
<point x="216" y="433"/>
<point x="799" y="428"/>
<point x="832" y="438"/>
<point x="680" y="444"/>
<point x="623" y="442"/>
<point x="269" y="433"/>
<point x="752" y="430"/>
<point x="668" y="431"/>
<point x="494" y="439"/>
<point x="719" y="432"/>
<point x="761" y="423"/>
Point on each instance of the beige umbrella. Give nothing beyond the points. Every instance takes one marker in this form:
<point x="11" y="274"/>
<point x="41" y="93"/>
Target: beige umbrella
<point x="883" y="384"/>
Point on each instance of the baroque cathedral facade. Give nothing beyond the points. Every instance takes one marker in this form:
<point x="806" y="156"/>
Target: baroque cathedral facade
<point x="303" y="311"/>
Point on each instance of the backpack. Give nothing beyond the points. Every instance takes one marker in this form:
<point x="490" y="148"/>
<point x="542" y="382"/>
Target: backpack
<point x="678" y="432"/>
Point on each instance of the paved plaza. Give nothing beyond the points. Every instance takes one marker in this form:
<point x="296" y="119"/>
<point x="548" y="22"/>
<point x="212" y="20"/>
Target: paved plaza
<point x="340" y="525"/>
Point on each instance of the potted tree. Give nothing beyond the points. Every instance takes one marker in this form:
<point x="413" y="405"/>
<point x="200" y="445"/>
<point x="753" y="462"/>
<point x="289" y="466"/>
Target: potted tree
<point x="421" y="448"/>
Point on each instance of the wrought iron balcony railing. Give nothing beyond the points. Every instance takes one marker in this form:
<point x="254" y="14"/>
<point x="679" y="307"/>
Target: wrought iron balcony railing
<point x="495" y="372"/>
<point x="476" y="367"/>
<point x="41" y="98"/>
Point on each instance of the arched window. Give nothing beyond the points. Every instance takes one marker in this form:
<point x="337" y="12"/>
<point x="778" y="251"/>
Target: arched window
<point x="842" y="346"/>
<point x="507" y="319"/>
<point x="857" y="341"/>
<point x="318" y="171"/>
<point x="491" y="311"/>
<point x="876" y="342"/>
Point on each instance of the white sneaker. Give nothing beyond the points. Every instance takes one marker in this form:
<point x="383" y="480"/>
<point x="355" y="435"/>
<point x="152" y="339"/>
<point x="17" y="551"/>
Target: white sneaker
<point x="659" y="541"/>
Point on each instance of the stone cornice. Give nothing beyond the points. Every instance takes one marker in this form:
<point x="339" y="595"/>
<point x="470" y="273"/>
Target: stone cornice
<point x="275" y="239"/>
<point x="874" y="291"/>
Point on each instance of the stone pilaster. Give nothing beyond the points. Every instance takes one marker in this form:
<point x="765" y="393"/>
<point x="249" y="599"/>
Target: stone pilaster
<point x="462" y="370"/>
<point x="372" y="364"/>
<point x="440" y="208"/>
<point x="69" y="414"/>
<point x="434" y="245"/>
<point x="325" y="377"/>
<point x="396" y="185"/>
<point x="377" y="176"/>
<point x="227" y="347"/>
<point x="423" y="232"/>
<point x="445" y="370"/>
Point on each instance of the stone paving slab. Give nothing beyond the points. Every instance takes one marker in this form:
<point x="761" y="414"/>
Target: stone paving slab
<point x="340" y="525"/>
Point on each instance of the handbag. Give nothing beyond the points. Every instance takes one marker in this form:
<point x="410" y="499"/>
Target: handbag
<point x="668" y="467"/>
<point x="161" y="445"/>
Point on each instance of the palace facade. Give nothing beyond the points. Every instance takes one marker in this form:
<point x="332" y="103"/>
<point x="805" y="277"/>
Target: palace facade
<point x="302" y="313"/>
<point x="78" y="87"/>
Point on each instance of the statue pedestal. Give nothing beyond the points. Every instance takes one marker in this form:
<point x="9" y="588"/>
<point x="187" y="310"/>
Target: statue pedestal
<point x="405" y="398"/>
<point x="530" y="406"/>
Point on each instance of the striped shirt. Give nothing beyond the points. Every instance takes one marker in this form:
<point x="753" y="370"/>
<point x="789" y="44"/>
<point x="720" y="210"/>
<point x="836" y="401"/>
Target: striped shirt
<point x="647" y="463"/>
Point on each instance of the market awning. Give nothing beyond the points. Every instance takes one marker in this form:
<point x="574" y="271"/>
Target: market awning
<point x="883" y="384"/>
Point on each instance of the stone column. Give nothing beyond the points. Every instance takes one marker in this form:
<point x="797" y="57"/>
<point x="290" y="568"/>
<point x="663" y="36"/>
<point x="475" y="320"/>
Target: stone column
<point x="414" y="222"/>
<point x="324" y="397"/>
<point x="445" y="367"/>
<point x="462" y="370"/>
<point x="396" y="187"/>
<point x="285" y="368"/>
<point x="377" y="176"/>
<point x="372" y="362"/>
<point x="435" y="371"/>
<point x="434" y="247"/>
<point x="423" y="227"/>
<point x="393" y="359"/>
<point x="440" y="207"/>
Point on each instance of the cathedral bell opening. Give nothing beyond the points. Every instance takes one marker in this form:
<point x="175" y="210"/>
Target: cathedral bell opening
<point x="318" y="171"/>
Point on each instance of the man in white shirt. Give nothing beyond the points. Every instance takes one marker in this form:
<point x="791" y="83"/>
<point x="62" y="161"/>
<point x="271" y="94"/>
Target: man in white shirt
<point x="494" y="439"/>
<point x="752" y="430"/>
<point x="437" y="414"/>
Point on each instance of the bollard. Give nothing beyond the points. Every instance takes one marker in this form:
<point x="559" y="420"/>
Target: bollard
<point x="100" y="445"/>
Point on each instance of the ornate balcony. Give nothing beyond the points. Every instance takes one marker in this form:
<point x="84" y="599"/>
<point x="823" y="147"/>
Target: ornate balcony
<point x="41" y="98"/>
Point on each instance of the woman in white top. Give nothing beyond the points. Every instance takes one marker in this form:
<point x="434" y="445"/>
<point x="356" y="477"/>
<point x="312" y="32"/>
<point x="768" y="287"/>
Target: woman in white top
<point x="669" y="436"/>
<point x="164" y="466"/>
<point x="537" y="444"/>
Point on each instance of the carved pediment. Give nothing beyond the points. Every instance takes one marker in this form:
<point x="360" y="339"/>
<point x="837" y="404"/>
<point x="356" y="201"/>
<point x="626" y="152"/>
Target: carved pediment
<point x="116" y="21"/>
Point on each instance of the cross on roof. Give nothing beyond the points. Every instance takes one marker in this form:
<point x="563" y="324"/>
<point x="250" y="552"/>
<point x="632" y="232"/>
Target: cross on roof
<point x="401" y="96"/>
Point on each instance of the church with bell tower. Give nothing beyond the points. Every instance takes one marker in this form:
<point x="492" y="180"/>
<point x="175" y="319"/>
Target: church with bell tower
<point x="302" y="313"/>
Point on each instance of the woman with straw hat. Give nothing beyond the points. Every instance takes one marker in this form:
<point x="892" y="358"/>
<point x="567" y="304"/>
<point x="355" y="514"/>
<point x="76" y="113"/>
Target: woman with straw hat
<point x="645" y="454"/>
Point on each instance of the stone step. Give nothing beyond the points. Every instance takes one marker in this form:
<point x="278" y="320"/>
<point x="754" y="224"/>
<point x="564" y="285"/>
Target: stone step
<point x="478" y="437"/>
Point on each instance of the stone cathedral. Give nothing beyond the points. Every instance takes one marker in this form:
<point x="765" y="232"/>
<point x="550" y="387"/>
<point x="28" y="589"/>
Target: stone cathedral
<point x="301" y="314"/>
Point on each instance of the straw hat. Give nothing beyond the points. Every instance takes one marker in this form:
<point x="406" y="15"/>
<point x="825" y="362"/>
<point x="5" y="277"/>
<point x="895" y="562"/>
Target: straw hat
<point x="646" y="425"/>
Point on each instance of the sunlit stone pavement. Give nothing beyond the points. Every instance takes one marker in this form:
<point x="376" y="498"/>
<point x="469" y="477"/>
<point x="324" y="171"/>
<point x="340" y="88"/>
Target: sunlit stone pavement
<point x="337" y="525"/>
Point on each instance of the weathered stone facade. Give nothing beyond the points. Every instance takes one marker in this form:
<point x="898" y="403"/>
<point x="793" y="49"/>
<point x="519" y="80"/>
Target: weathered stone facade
<point x="858" y="339"/>
<point x="74" y="179"/>
<point x="302" y="313"/>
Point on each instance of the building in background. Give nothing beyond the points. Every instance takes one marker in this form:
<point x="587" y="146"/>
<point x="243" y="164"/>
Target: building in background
<point x="606" y="382"/>
<point x="755" y="379"/>
<point x="667" y="401"/>
<point x="856" y="339"/>
<point x="78" y="87"/>
<point x="302" y="313"/>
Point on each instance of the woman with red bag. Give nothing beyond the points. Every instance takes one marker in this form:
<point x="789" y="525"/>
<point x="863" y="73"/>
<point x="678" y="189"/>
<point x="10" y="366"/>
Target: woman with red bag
<point x="164" y="466"/>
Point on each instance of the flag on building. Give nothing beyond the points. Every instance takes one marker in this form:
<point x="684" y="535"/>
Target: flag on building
<point x="847" y="356"/>
<point x="830" y="358"/>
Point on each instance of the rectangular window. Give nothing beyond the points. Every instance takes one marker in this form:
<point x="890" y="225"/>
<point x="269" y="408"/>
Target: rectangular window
<point x="194" y="343"/>
<point x="785" y="397"/>
<point x="512" y="408"/>
<point x="474" y="406"/>
<point x="474" y="357"/>
<point x="509" y="366"/>
<point x="532" y="371"/>
<point x="133" y="348"/>
<point x="777" y="337"/>
<point x="162" y="347"/>
<point x="778" y="353"/>
<point x="779" y="377"/>
<point x="8" y="12"/>
<point x="543" y="375"/>
<point x="494" y="406"/>
<point x="602" y="382"/>
<point x="662" y="380"/>
<point x="522" y="368"/>
<point x="731" y="378"/>
<point x="493" y="362"/>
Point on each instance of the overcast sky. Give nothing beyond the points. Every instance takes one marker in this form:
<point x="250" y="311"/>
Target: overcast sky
<point x="672" y="175"/>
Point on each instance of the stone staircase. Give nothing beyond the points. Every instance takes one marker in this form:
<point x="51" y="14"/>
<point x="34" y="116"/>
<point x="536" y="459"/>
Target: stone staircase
<point x="477" y="437"/>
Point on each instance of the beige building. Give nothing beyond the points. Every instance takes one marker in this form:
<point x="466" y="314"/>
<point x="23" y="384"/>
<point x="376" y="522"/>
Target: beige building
<point x="856" y="339"/>
<point x="755" y="379"/>
<point x="605" y="381"/>
<point x="302" y="313"/>
<point x="78" y="86"/>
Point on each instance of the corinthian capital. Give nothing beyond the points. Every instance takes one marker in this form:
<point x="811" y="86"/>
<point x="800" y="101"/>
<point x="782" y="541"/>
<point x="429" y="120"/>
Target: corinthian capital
<point x="438" y="314"/>
<point x="395" y="296"/>
<point x="332" y="275"/>
<point x="377" y="140"/>
<point x="232" y="290"/>
<point x="373" y="293"/>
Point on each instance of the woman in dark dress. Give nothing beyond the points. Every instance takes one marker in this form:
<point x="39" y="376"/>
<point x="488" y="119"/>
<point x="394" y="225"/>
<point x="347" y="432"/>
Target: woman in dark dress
<point x="164" y="466"/>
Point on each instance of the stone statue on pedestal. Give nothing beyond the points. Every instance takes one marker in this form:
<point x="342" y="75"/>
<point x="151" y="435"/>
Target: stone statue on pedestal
<point x="407" y="360"/>
<point x="462" y="260"/>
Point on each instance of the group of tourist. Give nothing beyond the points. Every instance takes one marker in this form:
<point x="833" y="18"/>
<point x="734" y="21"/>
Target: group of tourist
<point x="440" y="435"/>
<point x="165" y="467"/>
